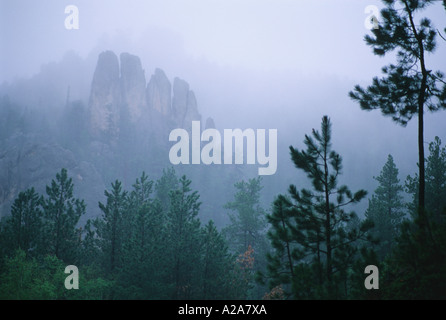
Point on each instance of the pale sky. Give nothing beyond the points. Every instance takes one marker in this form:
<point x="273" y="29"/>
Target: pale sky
<point x="312" y="36"/>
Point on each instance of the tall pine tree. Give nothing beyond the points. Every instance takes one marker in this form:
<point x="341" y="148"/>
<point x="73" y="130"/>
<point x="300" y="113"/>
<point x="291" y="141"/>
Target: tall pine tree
<point x="109" y="227"/>
<point x="310" y="230"/>
<point x="247" y="222"/>
<point x="144" y="244"/>
<point x="408" y="88"/>
<point x="183" y="241"/>
<point x="247" y="228"/>
<point x="163" y="186"/>
<point x="216" y="262"/>
<point x="435" y="182"/>
<point x="62" y="213"/>
<point x="23" y="229"/>
<point x="415" y="270"/>
<point x="386" y="208"/>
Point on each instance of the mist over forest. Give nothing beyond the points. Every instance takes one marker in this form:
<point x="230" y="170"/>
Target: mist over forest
<point x="86" y="179"/>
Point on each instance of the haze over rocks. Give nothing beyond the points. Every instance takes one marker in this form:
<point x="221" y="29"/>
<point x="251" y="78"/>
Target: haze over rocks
<point x="120" y="130"/>
<point x="120" y="95"/>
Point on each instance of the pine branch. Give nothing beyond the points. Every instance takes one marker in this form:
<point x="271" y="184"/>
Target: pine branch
<point x="439" y="33"/>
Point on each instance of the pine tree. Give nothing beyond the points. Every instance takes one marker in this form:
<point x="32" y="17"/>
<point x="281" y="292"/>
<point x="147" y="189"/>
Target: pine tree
<point x="435" y="182"/>
<point x="139" y="218"/>
<point x="415" y="270"/>
<point x="311" y="232"/>
<point x="216" y="261"/>
<point x="29" y="279"/>
<point x="409" y="87"/>
<point x="281" y="271"/>
<point x="89" y="246"/>
<point x="23" y="229"/>
<point x="247" y="227"/>
<point x="163" y="186"/>
<point x="144" y="244"/>
<point x="110" y="227"/>
<point x="248" y="221"/>
<point x="357" y="290"/>
<point x="62" y="213"/>
<point x="416" y="267"/>
<point x="386" y="207"/>
<point x="183" y="237"/>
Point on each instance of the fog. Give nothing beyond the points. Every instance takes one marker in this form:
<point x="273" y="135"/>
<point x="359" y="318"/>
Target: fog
<point x="252" y="64"/>
<point x="121" y="129"/>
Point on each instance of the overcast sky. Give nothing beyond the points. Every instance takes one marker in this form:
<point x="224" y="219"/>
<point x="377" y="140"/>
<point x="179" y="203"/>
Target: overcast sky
<point x="317" y="36"/>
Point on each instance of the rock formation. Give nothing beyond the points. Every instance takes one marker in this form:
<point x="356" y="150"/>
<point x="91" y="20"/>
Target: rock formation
<point x="159" y="93"/>
<point x="104" y="104"/>
<point x="191" y="112"/>
<point x="27" y="160"/>
<point x="180" y="99"/>
<point x="184" y="104"/>
<point x="209" y="124"/>
<point x="133" y="87"/>
<point x="119" y="96"/>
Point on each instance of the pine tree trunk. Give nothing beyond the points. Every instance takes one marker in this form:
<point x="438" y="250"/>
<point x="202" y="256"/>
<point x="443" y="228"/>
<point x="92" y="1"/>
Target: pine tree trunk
<point x="319" y="266"/>
<point x="19" y="229"/>
<point x="327" y="221"/>
<point x="113" y="242"/>
<point x="421" y="200"/>
<point x="421" y="99"/>
<point x="288" y="253"/>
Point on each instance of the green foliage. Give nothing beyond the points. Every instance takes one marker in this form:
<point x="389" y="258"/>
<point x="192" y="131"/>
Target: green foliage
<point x="311" y="233"/>
<point x="398" y="93"/>
<point x="23" y="229"/>
<point x="61" y="215"/>
<point x="92" y="286"/>
<point x="89" y="250"/>
<point x="167" y="182"/>
<point x="217" y="282"/>
<point x="138" y="249"/>
<point x="182" y="239"/>
<point x="247" y="227"/>
<point x="416" y="268"/>
<point x="357" y="276"/>
<point x="143" y="245"/>
<point x="435" y="182"/>
<point x="25" y="279"/>
<point x="247" y="223"/>
<point x="408" y="87"/>
<point x="386" y="208"/>
<point x="110" y="229"/>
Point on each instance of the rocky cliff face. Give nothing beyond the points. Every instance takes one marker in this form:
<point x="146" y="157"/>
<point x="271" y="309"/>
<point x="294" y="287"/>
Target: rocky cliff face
<point x="191" y="112"/>
<point x="105" y="97"/>
<point x="120" y="95"/>
<point x="209" y="124"/>
<point x="159" y="93"/>
<point x="27" y="160"/>
<point x="133" y="87"/>
<point x="180" y="99"/>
